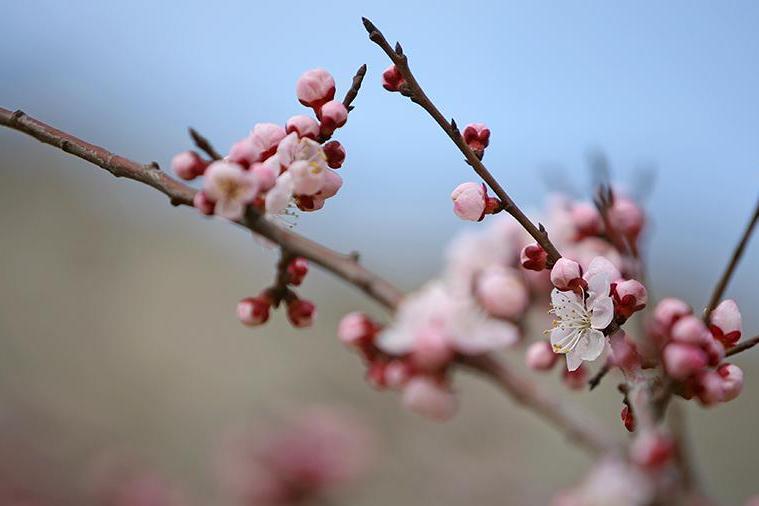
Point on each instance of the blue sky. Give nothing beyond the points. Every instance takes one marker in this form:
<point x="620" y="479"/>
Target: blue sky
<point x="667" y="85"/>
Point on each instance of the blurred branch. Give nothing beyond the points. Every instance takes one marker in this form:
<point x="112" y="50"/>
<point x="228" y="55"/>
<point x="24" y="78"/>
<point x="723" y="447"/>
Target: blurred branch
<point x="572" y="422"/>
<point x="414" y="91"/>
<point x="745" y="345"/>
<point x="204" y="144"/>
<point x="737" y="253"/>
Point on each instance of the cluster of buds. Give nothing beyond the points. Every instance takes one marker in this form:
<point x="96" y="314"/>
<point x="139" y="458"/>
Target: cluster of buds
<point x="276" y="165"/>
<point x="693" y="353"/>
<point x="253" y="311"/>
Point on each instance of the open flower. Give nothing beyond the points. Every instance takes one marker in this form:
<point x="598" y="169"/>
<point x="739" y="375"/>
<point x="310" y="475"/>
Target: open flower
<point x="231" y="187"/>
<point x="578" y="330"/>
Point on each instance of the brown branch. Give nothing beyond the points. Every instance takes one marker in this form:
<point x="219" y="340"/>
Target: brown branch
<point x="595" y="380"/>
<point x="737" y="253"/>
<point x="745" y="345"/>
<point x="582" y="431"/>
<point x="204" y="144"/>
<point x="350" y="96"/>
<point x="414" y="91"/>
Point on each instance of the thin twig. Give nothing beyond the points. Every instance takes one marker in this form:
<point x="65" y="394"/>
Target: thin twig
<point x="350" y="96"/>
<point x="574" y="423"/>
<point x="737" y="253"/>
<point x="745" y="345"/>
<point x="594" y="381"/>
<point x="204" y="144"/>
<point x="414" y="91"/>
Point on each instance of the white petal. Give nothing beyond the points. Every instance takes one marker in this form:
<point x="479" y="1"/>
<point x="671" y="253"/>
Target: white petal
<point x="488" y="335"/>
<point x="564" y="339"/>
<point x="230" y="209"/>
<point x="566" y="305"/>
<point x="598" y="286"/>
<point x="602" y="312"/>
<point x="573" y="360"/>
<point x="395" y="341"/>
<point x="590" y="345"/>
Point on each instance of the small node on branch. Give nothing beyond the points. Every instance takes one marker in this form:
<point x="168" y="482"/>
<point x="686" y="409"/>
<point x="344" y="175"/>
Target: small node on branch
<point x="454" y="126"/>
<point x="355" y="256"/>
<point x="398" y="49"/>
<point x="203" y="144"/>
<point x="369" y="25"/>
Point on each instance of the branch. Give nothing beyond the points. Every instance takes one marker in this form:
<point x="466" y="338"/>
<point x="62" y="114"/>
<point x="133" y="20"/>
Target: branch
<point x="203" y="144"/>
<point x="737" y="253"/>
<point x="415" y="92"/>
<point x="745" y="345"/>
<point x="350" y="96"/>
<point x="581" y="430"/>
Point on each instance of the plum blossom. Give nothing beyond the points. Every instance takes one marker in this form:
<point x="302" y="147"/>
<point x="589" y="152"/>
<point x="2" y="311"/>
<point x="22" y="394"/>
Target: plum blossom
<point x="469" y="201"/>
<point x="725" y="323"/>
<point x="230" y="187"/>
<point x="315" y="88"/>
<point x="429" y="398"/>
<point x="578" y="330"/>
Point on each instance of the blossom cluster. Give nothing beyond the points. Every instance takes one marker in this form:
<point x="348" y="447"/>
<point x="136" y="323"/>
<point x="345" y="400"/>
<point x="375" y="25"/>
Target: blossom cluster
<point x="276" y="166"/>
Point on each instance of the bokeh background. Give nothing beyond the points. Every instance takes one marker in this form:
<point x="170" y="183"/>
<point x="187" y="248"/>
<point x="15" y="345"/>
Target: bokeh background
<point x="117" y="325"/>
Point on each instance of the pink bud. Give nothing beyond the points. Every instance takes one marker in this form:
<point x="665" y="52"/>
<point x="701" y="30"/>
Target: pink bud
<point x="333" y="115"/>
<point x="626" y="217"/>
<point x="566" y="275"/>
<point x="332" y="183"/>
<point x="477" y="137"/>
<point x="301" y="312"/>
<point x="732" y="381"/>
<point x="667" y="312"/>
<point x="432" y="350"/>
<point x="726" y="323"/>
<point x="392" y="80"/>
<point x="690" y="330"/>
<point x="397" y="373"/>
<point x="501" y="293"/>
<point x="188" y="165"/>
<point x="309" y="203"/>
<point x="540" y="356"/>
<point x="296" y="271"/>
<point x="587" y="220"/>
<point x="533" y="257"/>
<point x="266" y="173"/>
<point x="629" y="296"/>
<point x="651" y="450"/>
<point x="265" y="138"/>
<point x="427" y="397"/>
<point x="709" y="387"/>
<point x="683" y="360"/>
<point x="335" y="153"/>
<point x="202" y="203"/>
<point x="315" y="88"/>
<point x="304" y="126"/>
<point x="469" y="201"/>
<point x="624" y="353"/>
<point x="356" y="329"/>
<point x="244" y="152"/>
<point x="627" y="418"/>
<point x="253" y="311"/>
<point x="714" y="351"/>
<point x="577" y="379"/>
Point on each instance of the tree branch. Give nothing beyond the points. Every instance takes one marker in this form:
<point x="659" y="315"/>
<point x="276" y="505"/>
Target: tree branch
<point x="415" y="92"/>
<point x="581" y="430"/>
<point x="745" y="345"/>
<point x="737" y="253"/>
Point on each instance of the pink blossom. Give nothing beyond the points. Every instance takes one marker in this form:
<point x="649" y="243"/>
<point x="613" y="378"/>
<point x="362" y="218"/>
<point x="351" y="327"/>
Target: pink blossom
<point x="308" y="177"/>
<point x="264" y="138"/>
<point x="335" y="153"/>
<point x="432" y="349"/>
<point x="304" y="126"/>
<point x="429" y="398"/>
<point x="566" y="274"/>
<point x="690" y="330"/>
<point x="305" y="160"/>
<point x="202" y="203"/>
<point x="683" y="360"/>
<point x="296" y="271"/>
<point x="392" y="80"/>
<point x="626" y="217"/>
<point x="301" y="312"/>
<point x="624" y="353"/>
<point x="501" y="292"/>
<point x="397" y="374"/>
<point x="266" y="173"/>
<point x="331" y="184"/>
<point x="333" y="115"/>
<point x="309" y="203"/>
<point x="356" y="329"/>
<point x="244" y="152"/>
<point x="709" y="387"/>
<point x="533" y="257"/>
<point x="651" y="450"/>
<point x="725" y="323"/>
<point x="469" y="201"/>
<point x="231" y="187"/>
<point x="188" y="165"/>
<point x="600" y="264"/>
<point x="279" y="197"/>
<point x="315" y="88"/>
<point x="253" y="311"/>
<point x="629" y="296"/>
<point x="477" y="137"/>
<point x="732" y="381"/>
<point x="540" y="356"/>
<point x="668" y="311"/>
<point x="587" y="219"/>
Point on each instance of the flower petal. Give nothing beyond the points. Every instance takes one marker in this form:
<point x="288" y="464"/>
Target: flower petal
<point x="566" y="305"/>
<point x="598" y="286"/>
<point x="563" y="339"/>
<point x="602" y="312"/>
<point x="573" y="360"/>
<point x="590" y="345"/>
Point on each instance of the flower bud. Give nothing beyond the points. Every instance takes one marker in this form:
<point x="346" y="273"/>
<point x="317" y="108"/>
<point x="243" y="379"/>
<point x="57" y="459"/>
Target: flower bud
<point x="714" y="351"/>
<point x="429" y="398"/>
<point x="651" y="450"/>
<point x="667" y="312"/>
<point x="392" y="80"/>
<point x="397" y="373"/>
<point x="332" y="183"/>
<point x="333" y="115"/>
<point x="188" y="165"/>
<point x="296" y="271"/>
<point x="356" y="329"/>
<point x="627" y="418"/>
<point x="586" y="219"/>
<point x="629" y="296"/>
<point x="432" y="350"/>
<point x="265" y="138"/>
<point x="690" y="330"/>
<point x="577" y="379"/>
<point x="501" y="293"/>
<point x="307" y="179"/>
<point x="253" y="311"/>
<point x="732" y="381"/>
<point x="243" y="152"/>
<point x="469" y="201"/>
<point x="683" y="360"/>
<point x="266" y="173"/>
<point x="203" y="203"/>
<point x="533" y="257"/>
<point x="315" y="88"/>
<point x="725" y="323"/>
<point x="540" y="356"/>
<point x="709" y="387"/>
<point x="335" y="153"/>
<point x="566" y="275"/>
<point x="301" y="312"/>
<point x="477" y="137"/>
<point x="304" y="126"/>
<point x="309" y="203"/>
<point x="626" y="217"/>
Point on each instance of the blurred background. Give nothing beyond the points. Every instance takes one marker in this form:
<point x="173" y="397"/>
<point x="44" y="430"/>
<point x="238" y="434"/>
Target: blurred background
<point x="117" y="311"/>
